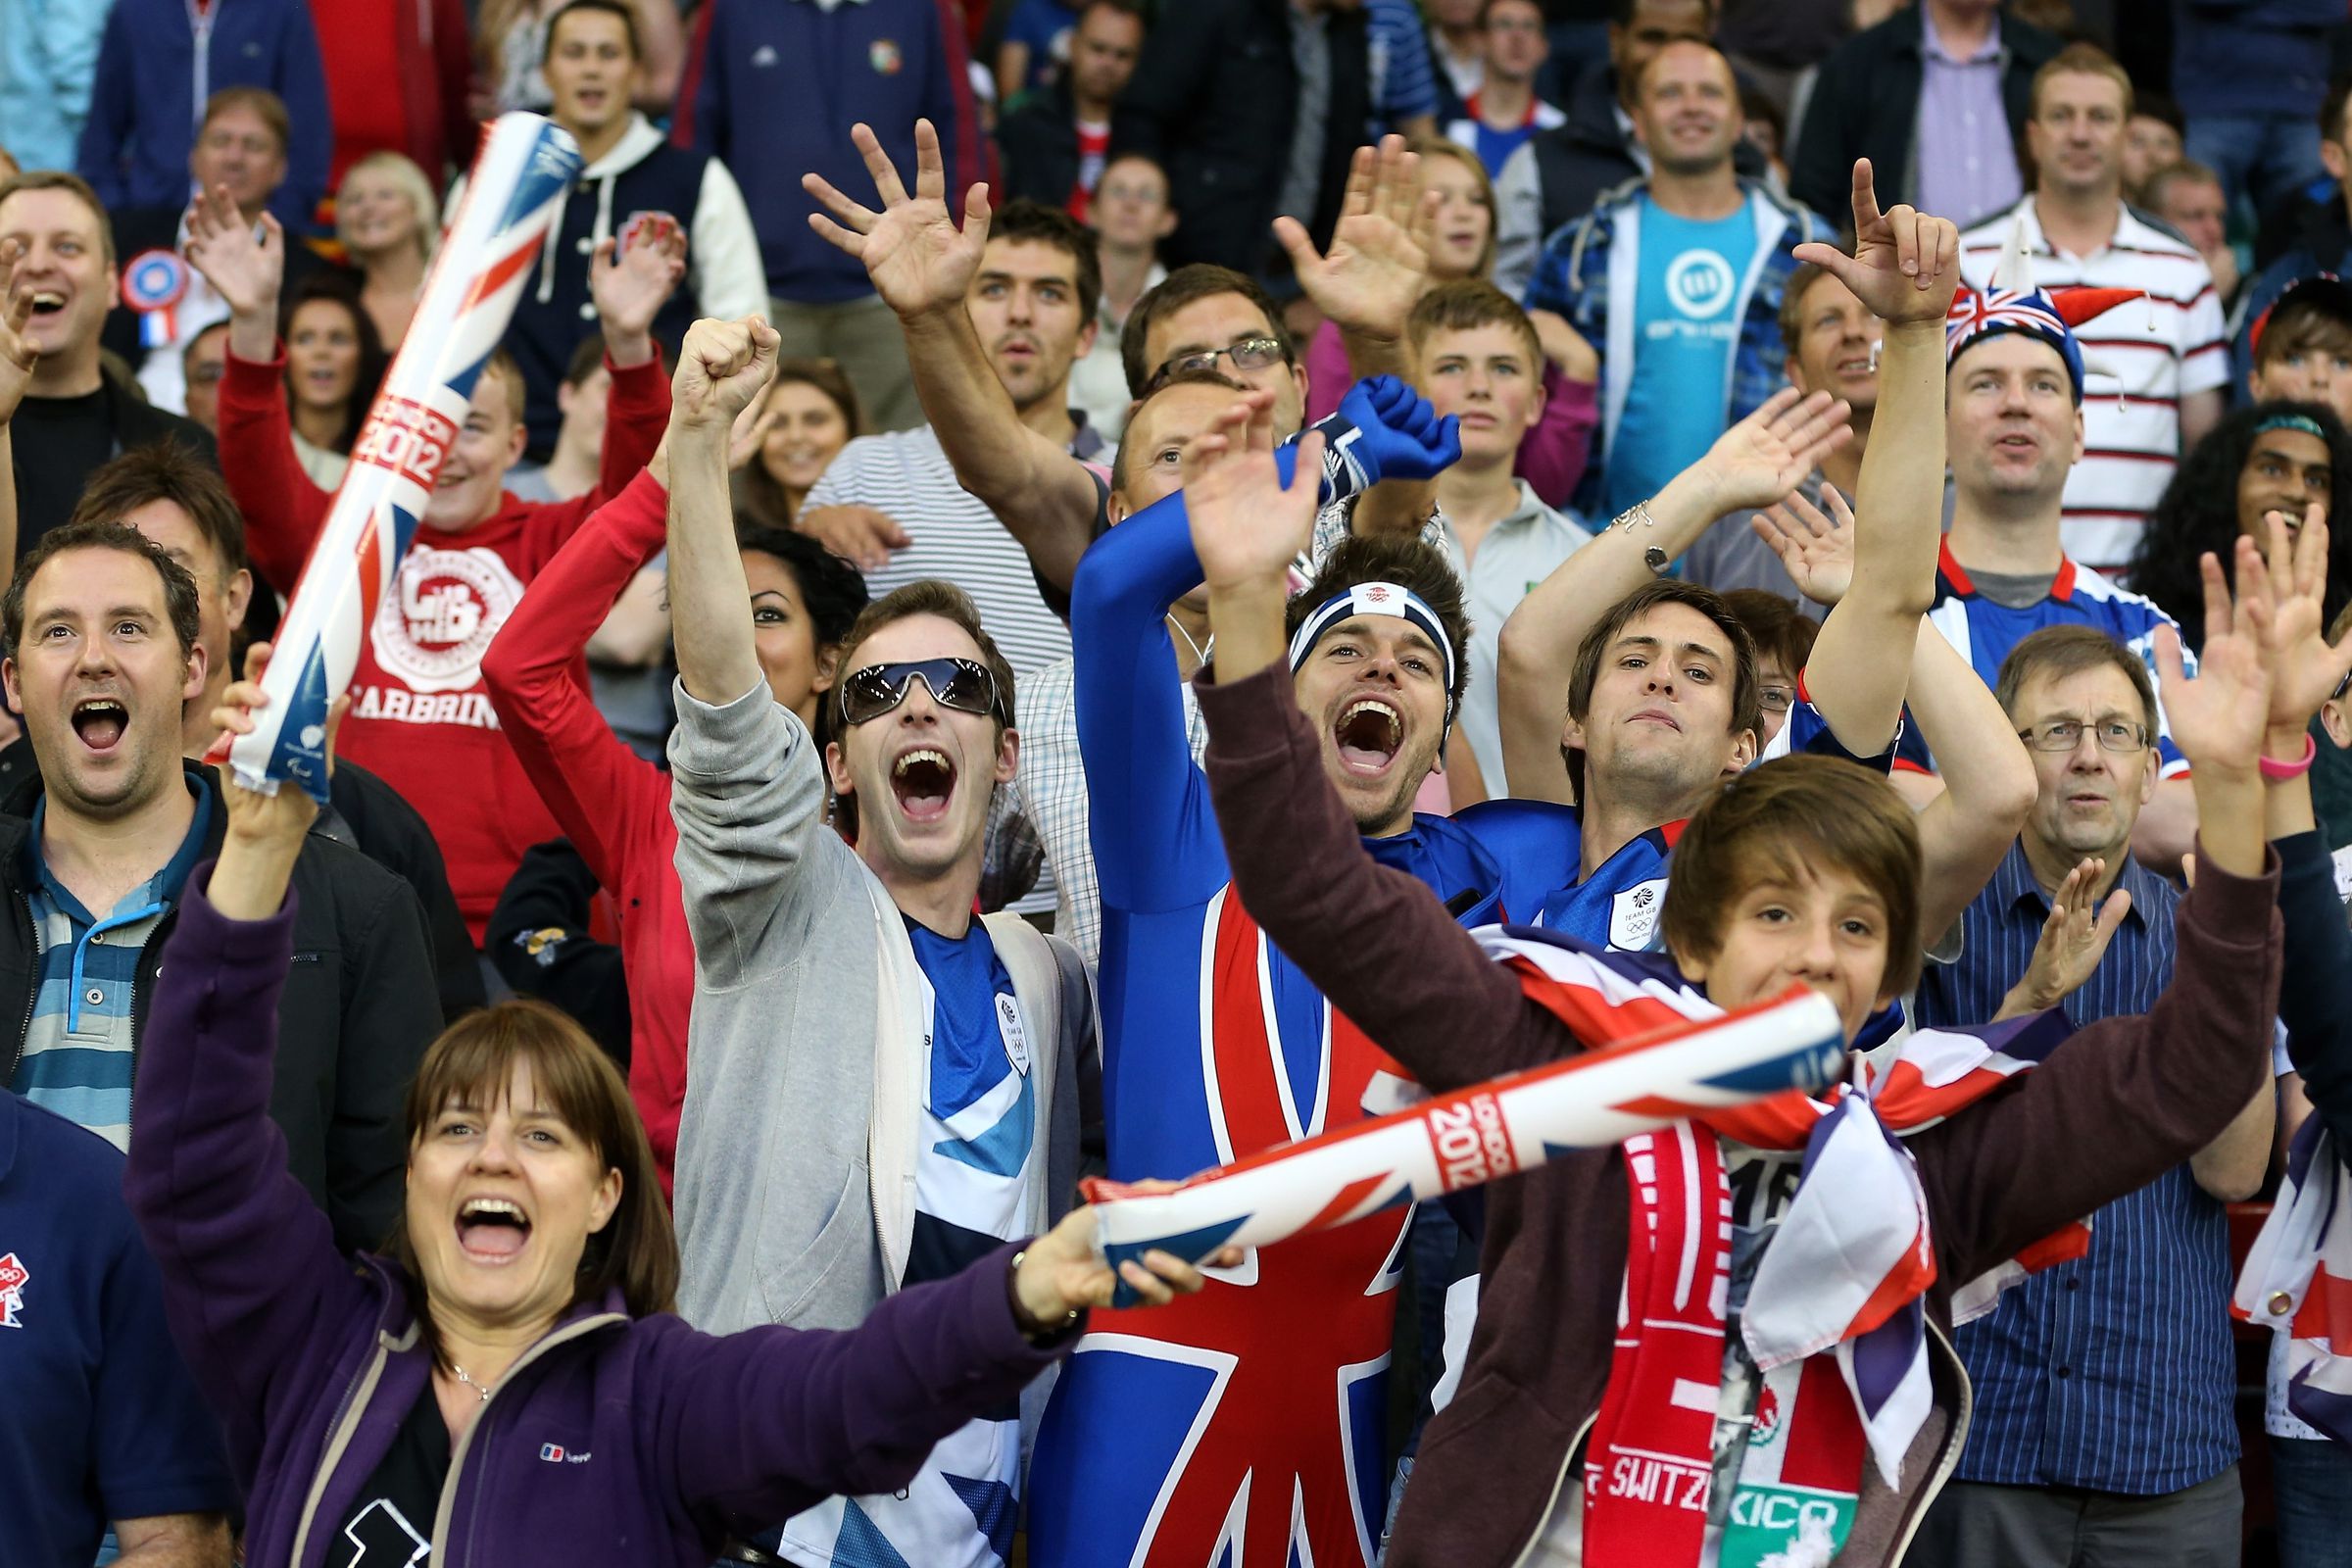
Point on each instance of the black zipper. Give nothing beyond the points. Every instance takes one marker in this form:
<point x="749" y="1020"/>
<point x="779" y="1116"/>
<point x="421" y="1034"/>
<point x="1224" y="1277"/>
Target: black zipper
<point x="32" y="993"/>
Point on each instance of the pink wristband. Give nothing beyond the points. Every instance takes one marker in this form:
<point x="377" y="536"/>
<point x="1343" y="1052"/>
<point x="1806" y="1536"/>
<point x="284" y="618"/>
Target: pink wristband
<point x="2279" y="773"/>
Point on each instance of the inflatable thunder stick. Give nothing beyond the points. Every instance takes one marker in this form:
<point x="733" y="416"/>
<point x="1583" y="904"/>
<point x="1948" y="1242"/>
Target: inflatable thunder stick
<point x="1475" y="1135"/>
<point x="524" y="167"/>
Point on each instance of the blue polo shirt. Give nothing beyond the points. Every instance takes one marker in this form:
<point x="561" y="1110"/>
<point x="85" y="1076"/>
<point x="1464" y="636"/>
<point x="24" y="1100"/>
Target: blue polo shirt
<point x="103" y="1421"/>
<point x="77" y="1056"/>
<point x="2113" y="1372"/>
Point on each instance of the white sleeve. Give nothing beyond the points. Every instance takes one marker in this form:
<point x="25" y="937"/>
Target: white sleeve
<point x="729" y="279"/>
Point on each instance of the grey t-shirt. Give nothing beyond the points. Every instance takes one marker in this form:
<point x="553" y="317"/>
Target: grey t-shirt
<point x="2013" y="590"/>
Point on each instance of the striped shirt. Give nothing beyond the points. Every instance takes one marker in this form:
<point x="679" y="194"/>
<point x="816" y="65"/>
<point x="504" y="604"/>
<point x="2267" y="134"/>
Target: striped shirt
<point x="907" y="476"/>
<point x="2113" y="1372"/>
<point x="1403" y="85"/>
<point x="2142" y="359"/>
<point x="78" y="1042"/>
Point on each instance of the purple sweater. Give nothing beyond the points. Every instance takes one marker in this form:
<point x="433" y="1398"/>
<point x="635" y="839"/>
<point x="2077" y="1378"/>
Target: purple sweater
<point x="612" y="1441"/>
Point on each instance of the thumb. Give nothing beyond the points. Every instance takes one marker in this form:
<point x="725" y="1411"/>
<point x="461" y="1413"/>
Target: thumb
<point x="1833" y="261"/>
<point x="1308" y="471"/>
<point x="2119" y="905"/>
<point x="1293" y="237"/>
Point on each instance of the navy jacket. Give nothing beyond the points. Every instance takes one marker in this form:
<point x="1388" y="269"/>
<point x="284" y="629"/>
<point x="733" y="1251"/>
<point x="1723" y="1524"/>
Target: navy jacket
<point x="612" y="1441"/>
<point x="774" y="87"/>
<point x="155" y="74"/>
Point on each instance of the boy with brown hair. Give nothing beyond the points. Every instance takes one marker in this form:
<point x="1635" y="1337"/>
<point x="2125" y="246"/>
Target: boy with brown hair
<point x="2302" y="346"/>
<point x="1477" y="357"/>
<point x="1788" y="1384"/>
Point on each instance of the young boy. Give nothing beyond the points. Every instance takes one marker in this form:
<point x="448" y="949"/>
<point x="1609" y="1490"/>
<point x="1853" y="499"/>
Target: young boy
<point x="1478" y="358"/>
<point x="2303" y="346"/>
<point x="1696" y="1437"/>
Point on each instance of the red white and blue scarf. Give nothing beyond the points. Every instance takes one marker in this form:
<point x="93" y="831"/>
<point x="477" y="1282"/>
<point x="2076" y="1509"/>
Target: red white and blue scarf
<point x="2298" y="1279"/>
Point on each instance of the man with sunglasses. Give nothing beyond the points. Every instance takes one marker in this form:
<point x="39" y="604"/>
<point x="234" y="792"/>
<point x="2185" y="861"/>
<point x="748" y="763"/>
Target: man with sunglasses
<point x="2103" y="1387"/>
<point x="883" y="1087"/>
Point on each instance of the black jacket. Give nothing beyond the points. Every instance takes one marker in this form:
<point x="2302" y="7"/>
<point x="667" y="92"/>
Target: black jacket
<point x="356" y="1016"/>
<point x="1215" y="108"/>
<point x="1037" y="144"/>
<point x="1865" y="104"/>
<point x="539" y="939"/>
<point x="375" y="819"/>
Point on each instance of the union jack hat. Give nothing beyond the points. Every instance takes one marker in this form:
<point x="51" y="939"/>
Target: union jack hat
<point x="2012" y="304"/>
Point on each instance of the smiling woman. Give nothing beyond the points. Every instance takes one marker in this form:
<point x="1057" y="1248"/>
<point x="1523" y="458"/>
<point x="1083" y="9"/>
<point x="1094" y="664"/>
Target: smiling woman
<point x="508" y="1382"/>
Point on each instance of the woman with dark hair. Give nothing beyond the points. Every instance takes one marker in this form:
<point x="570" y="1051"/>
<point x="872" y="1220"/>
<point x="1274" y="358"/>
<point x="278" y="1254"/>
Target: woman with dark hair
<point x="507" y="1382"/>
<point x="334" y="363"/>
<point x="810" y="413"/>
<point x="2271" y="457"/>
<point x="614" y="803"/>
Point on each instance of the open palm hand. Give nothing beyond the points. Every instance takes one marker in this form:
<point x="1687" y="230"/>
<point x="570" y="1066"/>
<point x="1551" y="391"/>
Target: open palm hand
<point x="916" y="256"/>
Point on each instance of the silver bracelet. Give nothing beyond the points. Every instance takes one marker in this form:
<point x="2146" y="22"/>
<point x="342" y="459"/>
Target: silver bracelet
<point x="1639" y="513"/>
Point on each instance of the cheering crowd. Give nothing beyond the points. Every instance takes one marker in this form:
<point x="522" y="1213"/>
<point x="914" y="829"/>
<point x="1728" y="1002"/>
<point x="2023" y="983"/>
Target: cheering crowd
<point x="1065" y="593"/>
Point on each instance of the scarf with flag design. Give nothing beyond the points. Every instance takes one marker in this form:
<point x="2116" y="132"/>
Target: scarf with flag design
<point x="1834" y="1319"/>
<point x="2298" y="1279"/>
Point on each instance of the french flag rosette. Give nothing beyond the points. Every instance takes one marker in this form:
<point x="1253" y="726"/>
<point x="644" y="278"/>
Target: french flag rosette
<point x="1476" y="1135"/>
<point x="517" y="185"/>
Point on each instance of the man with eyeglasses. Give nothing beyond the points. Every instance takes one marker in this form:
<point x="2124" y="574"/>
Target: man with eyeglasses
<point x="2104" y="1386"/>
<point x="921" y="1064"/>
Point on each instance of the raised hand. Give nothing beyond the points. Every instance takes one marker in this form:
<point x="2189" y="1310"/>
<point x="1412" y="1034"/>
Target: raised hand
<point x="862" y="536"/>
<point x="280" y="820"/>
<point x="916" y="257"/>
<point x="2218" y="719"/>
<point x="723" y="366"/>
<point x="1378" y="264"/>
<point x="1062" y="1272"/>
<point x="2073" y="940"/>
<point x="2305" y="671"/>
<point x="1768" y="454"/>
<point x="1817" y="551"/>
<point x="1247" y="525"/>
<point x="17" y="356"/>
<point x="1398" y="433"/>
<point x="630" y="290"/>
<point x="245" y="264"/>
<point x="1905" y="263"/>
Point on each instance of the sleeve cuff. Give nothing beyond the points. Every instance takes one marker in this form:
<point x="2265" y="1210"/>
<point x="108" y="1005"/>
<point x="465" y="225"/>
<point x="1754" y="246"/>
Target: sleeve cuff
<point x="2234" y="903"/>
<point x="242" y="942"/>
<point x="1246" y="719"/>
<point x="261" y="372"/>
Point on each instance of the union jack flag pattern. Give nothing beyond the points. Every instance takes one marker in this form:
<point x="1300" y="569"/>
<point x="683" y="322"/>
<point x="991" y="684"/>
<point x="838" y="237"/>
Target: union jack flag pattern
<point x="519" y="180"/>
<point x="2298" y="1281"/>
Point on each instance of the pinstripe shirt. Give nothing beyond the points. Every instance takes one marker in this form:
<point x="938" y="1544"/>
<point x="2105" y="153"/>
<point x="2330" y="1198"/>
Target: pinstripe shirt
<point x="2113" y="1372"/>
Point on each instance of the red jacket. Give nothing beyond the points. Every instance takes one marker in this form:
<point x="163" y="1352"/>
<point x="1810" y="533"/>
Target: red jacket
<point x="397" y="74"/>
<point x="420" y="715"/>
<point x="612" y="803"/>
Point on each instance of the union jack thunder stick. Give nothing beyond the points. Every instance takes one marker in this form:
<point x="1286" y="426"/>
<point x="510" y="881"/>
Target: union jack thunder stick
<point x="1477" y="1134"/>
<point x="518" y="179"/>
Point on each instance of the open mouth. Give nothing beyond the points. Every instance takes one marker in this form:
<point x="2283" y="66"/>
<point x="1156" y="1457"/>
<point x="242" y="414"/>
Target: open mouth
<point x="492" y="1230"/>
<point x="47" y="302"/>
<point x="100" y="722"/>
<point x="923" y="781"/>
<point x="1369" y="733"/>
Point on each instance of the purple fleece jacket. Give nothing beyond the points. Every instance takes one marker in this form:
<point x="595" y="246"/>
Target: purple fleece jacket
<point x="613" y="1441"/>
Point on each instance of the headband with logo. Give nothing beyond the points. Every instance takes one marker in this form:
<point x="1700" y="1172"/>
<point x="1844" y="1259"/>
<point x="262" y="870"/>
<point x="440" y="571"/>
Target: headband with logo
<point x="1378" y="599"/>
<point x="2012" y="304"/>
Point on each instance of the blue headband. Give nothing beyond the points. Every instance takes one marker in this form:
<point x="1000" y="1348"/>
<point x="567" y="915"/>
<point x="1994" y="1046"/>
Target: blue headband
<point x="1376" y="599"/>
<point x="2292" y="421"/>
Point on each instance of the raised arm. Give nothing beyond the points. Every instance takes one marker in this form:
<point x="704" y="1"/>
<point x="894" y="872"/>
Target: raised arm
<point x="1967" y="826"/>
<point x="1378" y="264"/>
<point x="1753" y="463"/>
<point x="1375" y="941"/>
<point x="250" y="1266"/>
<point x="580" y="766"/>
<point x="283" y="509"/>
<point x="922" y="264"/>
<point x="1904" y="266"/>
<point x="17" y="360"/>
<point x="721" y="368"/>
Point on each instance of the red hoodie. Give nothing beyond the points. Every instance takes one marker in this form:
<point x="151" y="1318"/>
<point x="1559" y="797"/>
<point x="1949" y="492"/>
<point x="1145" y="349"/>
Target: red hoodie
<point x="420" y="715"/>
<point x="612" y="803"/>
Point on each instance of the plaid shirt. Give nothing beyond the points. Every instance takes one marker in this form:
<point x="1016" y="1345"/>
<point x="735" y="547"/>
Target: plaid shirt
<point x="1573" y="278"/>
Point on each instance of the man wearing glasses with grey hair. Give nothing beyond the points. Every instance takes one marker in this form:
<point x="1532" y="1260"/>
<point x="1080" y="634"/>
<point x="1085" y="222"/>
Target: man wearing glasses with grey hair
<point x="2104" y="1385"/>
